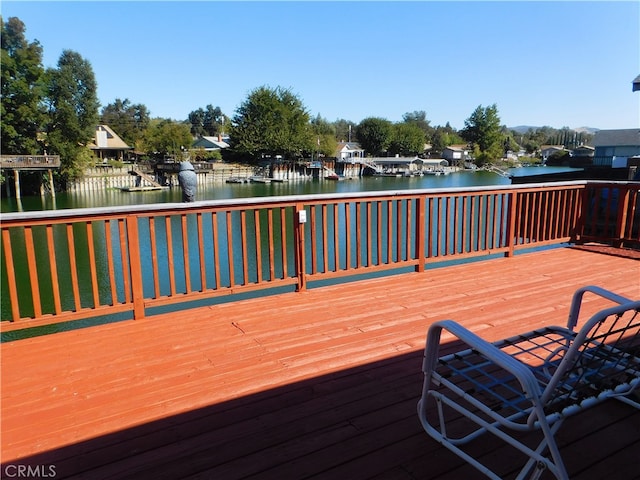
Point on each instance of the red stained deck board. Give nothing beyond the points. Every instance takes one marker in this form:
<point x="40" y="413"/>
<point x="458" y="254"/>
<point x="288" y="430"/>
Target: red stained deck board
<point x="319" y="382"/>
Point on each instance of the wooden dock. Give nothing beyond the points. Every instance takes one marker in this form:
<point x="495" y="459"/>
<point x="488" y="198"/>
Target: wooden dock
<point x="143" y="189"/>
<point x="321" y="384"/>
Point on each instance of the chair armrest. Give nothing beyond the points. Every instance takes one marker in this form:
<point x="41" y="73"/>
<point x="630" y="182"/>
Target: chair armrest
<point x="576" y="302"/>
<point x="519" y="370"/>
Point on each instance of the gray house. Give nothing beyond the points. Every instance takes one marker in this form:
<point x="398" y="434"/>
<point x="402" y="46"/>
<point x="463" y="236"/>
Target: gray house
<point x="211" y="144"/>
<point x="613" y="148"/>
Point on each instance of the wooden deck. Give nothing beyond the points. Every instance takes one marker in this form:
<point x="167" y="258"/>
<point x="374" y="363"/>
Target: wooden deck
<point x="319" y="384"/>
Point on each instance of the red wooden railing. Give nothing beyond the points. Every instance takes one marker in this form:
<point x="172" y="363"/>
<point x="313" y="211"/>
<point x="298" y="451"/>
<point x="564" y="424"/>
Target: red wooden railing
<point x="65" y="265"/>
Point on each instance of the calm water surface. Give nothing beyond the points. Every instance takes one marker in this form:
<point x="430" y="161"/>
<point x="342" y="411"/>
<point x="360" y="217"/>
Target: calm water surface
<point x="115" y="197"/>
<point x="218" y="191"/>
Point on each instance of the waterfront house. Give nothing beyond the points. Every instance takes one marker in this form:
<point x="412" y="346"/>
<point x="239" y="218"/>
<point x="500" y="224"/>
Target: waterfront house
<point x="349" y="152"/>
<point x="211" y="144"/>
<point x="456" y="153"/>
<point x="107" y="145"/>
<point x="613" y="148"/>
<point x="583" y="151"/>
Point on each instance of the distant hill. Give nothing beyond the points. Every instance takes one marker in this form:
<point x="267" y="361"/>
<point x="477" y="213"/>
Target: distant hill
<point x="526" y="128"/>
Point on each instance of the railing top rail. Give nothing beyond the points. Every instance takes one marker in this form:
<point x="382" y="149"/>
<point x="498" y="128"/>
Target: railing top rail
<point x="284" y="200"/>
<point x="16" y="161"/>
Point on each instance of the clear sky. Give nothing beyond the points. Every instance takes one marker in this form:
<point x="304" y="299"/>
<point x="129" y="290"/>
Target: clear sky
<point x="542" y="63"/>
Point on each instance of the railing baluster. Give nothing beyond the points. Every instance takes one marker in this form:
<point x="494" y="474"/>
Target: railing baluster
<point x="368" y="223"/>
<point x="312" y="230"/>
<point x="379" y="230"/>
<point x="347" y="233"/>
<point x="390" y="231"/>
<point x="243" y="243"/>
<point x="33" y="271"/>
<point x="203" y="264"/>
<point x="53" y="270"/>
<point x="73" y="268"/>
<point x="185" y="253"/>
<point x="325" y="239"/>
<point x="154" y="257"/>
<point x="358" y="235"/>
<point x="170" y="262"/>
<point x="272" y="260"/>
<point x="216" y="255"/>
<point x="256" y="225"/>
<point x="283" y="236"/>
<point x="135" y="268"/>
<point x="232" y="280"/>
<point x="92" y="265"/>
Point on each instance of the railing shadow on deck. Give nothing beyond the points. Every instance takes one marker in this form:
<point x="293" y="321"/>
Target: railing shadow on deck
<point x="68" y="265"/>
<point x="360" y="422"/>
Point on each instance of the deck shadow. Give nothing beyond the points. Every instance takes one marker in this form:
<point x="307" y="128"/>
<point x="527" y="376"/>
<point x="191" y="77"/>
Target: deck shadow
<point x="359" y="422"/>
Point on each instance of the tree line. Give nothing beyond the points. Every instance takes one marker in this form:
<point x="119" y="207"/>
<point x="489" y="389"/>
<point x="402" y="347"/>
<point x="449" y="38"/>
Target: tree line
<point x="56" y="111"/>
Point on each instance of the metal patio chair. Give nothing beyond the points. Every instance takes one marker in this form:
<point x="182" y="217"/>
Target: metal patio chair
<point x="530" y="382"/>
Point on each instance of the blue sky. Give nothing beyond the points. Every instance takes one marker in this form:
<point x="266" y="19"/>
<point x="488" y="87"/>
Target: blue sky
<point x="543" y="63"/>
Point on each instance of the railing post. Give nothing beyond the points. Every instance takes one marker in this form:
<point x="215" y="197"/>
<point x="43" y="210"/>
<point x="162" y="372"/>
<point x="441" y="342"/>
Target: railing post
<point x="511" y="226"/>
<point x="421" y="205"/>
<point x="135" y="268"/>
<point x="299" y="219"/>
<point x="621" y="223"/>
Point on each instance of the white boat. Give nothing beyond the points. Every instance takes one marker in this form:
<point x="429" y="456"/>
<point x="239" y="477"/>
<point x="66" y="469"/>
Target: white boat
<point x="260" y="180"/>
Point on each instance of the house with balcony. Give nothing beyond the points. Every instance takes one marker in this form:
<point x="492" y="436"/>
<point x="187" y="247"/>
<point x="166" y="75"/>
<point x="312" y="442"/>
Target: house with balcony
<point x="349" y="152"/>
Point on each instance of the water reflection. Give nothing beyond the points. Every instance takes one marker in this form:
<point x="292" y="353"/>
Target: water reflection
<point x="218" y="191"/>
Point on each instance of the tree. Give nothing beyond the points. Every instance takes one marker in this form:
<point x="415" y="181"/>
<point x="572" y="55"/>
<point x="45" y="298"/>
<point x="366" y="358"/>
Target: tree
<point x="207" y="122"/>
<point x="165" y="137"/>
<point x="345" y="130"/>
<point x="22" y="113"/>
<point x="408" y="139"/>
<point x="73" y="112"/>
<point x="325" y="135"/>
<point x="419" y="118"/>
<point x="482" y="129"/>
<point x="127" y="120"/>
<point x="375" y="135"/>
<point x="445" y="136"/>
<point x="271" y="122"/>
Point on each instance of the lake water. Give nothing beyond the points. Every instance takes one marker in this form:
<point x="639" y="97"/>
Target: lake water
<point x="218" y="191"/>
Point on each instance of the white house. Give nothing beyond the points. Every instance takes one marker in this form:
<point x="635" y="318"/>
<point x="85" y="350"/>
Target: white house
<point x="349" y="151"/>
<point x="547" y="150"/>
<point x="455" y="153"/>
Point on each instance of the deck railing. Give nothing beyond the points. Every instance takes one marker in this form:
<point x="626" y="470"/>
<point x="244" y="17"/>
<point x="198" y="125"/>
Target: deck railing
<point x="66" y="265"/>
<point x="29" y="162"/>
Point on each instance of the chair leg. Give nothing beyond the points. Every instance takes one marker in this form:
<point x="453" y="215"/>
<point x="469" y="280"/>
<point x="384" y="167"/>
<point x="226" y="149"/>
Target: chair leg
<point x="540" y="467"/>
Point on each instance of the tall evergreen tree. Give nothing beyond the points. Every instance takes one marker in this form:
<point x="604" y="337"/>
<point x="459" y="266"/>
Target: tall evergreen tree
<point x="73" y="112"/>
<point x="22" y="113"/>
<point x="482" y="129"/>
